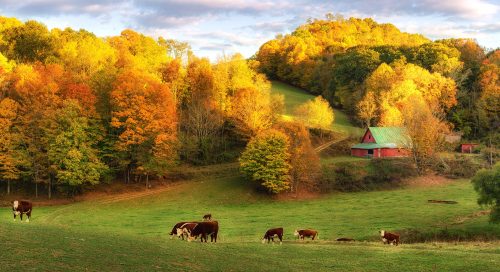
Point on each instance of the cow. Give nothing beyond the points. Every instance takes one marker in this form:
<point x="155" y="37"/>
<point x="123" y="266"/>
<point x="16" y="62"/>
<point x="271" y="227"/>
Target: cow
<point x="186" y="229"/>
<point x="203" y="229"/>
<point x="20" y="207"/>
<point x="389" y="238"/>
<point x="207" y="217"/>
<point x="174" y="229"/>
<point x="301" y="234"/>
<point x="270" y="233"/>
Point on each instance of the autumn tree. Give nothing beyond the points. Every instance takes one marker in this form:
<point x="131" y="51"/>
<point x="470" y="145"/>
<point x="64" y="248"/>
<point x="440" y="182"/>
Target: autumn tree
<point x="9" y="157"/>
<point x="144" y="116"/>
<point x="425" y="130"/>
<point x="305" y="170"/>
<point x="316" y="114"/>
<point x="37" y="90"/>
<point x="266" y="161"/>
<point x="251" y="111"/>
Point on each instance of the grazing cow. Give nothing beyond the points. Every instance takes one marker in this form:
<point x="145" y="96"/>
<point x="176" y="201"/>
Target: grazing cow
<point x="203" y="229"/>
<point x="345" y="239"/>
<point x="207" y="217"/>
<point x="174" y="229"/>
<point x="20" y="207"/>
<point x="389" y="238"/>
<point x="270" y="233"/>
<point x="301" y="234"/>
<point x="186" y="229"/>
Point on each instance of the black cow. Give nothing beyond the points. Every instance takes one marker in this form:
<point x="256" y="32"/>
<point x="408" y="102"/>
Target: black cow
<point x="270" y="233"/>
<point x="20" y="207"/>
<point x="205" y="228"/>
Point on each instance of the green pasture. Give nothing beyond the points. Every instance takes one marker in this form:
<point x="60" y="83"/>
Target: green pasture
<point x="295" y="96"/>
<point x="132" y="234"/>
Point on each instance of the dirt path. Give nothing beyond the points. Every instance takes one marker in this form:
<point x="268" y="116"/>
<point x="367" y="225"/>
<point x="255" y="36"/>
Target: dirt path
<point x="324" y="146"/>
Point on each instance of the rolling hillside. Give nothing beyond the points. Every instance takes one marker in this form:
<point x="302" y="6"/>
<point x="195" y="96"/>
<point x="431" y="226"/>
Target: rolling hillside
<point x="295" y="96"/>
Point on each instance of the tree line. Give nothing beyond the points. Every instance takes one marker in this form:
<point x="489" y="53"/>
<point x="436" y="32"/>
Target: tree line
<point x="76" y="109"/>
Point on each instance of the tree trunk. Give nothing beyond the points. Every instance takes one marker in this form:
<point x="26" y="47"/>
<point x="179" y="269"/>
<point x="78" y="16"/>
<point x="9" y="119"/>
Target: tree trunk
<point x="8" y="187"/>
<point x="50" y="186"/>
<point x="36" y="189"/>
<point x="147" y="181"/>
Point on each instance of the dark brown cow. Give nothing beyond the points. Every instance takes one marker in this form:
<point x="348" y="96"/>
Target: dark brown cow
<point x="389" y="238"/>
<point x="301" y="234"/>
<point x="207" y="217"/>
<point x="205" y="228"/>
<point x="20" y="207"/>
<point x="270" y="233"/>
<point x="174" y="229"/>
<point x="186" y="229"/>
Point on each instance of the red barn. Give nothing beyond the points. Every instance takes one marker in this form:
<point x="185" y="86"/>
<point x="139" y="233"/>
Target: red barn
<point x="380" y="142"/>
<point x="469" y="147"/>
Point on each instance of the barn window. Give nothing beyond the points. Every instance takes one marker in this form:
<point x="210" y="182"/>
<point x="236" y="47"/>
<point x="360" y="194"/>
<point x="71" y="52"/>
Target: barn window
<point x="370" y="151"/>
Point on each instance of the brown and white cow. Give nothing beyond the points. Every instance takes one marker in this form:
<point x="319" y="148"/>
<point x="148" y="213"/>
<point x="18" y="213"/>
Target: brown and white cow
<point x="207" y="217"/>
<point x="186" y="230"/>
<point x="270" y="233"/>
<point x="389" y="238"/>
<point x="203" y="229"/>
<point x="20" y="207"/>
<point x="174" y="229"/>
<point x="301" y="234"/>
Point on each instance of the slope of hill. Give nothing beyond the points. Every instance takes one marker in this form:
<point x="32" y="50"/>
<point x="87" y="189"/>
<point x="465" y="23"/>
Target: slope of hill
<point x="132" y="234"/>
<point x="295" y="96"/>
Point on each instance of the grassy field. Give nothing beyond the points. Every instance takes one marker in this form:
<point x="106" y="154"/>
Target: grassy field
<point x="110" y="234"/>
<point x="295" y="96"/>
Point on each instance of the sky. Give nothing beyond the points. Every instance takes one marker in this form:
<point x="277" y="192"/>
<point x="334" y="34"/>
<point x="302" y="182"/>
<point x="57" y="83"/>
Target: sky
<point x="217" y="27"/>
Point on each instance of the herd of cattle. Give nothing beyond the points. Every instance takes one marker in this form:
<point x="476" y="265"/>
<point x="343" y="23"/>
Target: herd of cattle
<point x="191" y="231"/>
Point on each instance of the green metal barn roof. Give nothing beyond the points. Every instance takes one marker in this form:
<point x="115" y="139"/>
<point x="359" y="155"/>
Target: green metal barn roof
<point x="386" y="137"/>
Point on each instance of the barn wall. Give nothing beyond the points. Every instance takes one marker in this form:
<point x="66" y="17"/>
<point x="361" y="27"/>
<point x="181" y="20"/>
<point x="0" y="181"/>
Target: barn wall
<point x="368" y="138"/>
<point x="468" y="148"/>
<point x="359" y="152"/>
<point x="394" y="152"/>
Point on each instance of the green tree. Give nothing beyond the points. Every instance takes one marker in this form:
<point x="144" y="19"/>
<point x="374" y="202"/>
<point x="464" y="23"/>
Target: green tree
<point x="266" y="161"/>
<point x="487" y="183"/>
<point x="72" y="153"/>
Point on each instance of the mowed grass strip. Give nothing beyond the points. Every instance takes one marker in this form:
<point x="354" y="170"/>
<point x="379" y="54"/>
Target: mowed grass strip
<point x="132" y="234"/>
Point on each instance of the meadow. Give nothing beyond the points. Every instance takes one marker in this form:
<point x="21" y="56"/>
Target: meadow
<point x="295" y="96"/>
<point x="131" y="233"/>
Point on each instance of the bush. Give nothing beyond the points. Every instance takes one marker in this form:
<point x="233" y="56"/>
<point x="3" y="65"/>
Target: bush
<point x="460" y="166"/>
<point x="366" y="175"/>
<point x="487" y="183"/>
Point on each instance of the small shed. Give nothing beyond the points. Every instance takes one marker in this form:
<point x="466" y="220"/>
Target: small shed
<point x="469" y="147"/>
<point x="380" y="142"/>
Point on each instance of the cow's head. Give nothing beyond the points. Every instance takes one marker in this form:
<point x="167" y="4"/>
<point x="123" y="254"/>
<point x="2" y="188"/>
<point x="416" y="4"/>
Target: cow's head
<point x="15" y="205"/>
<point x="179" y="232"/>
<point x="382" y="233"/>
<point x="263" y="240"/>
<point x="296" y="233"/>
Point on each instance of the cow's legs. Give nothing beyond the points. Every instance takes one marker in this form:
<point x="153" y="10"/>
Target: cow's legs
<point x="28" y="214"/>
<point x="281" y="238"/>
<point x="21" y="216"/>
<point x="14" y="216"/>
